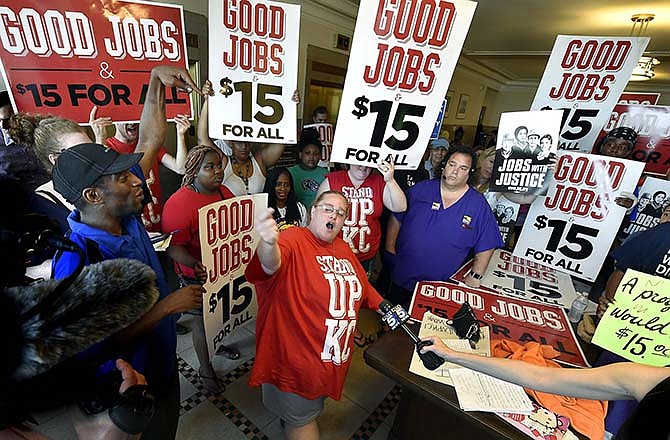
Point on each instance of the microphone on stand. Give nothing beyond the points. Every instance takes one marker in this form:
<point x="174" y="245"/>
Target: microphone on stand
<point x="396" y="316"/>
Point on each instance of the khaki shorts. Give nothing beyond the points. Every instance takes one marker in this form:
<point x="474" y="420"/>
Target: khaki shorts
<point x="293" y="409"/>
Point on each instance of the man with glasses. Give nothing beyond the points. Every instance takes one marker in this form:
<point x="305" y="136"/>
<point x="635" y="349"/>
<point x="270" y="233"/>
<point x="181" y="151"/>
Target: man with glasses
<point x="446" y="222"/>
<point x="310" y="287"/>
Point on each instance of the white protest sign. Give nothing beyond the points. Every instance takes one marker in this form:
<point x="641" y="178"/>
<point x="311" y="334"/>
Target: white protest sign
<point x="528" y="280"/>
<point x="525" y="141"/>
<point x="573" y="227"/>
<point x="584" y="77"/>
<point x="253" y="66"/>
<point x="401" y="63"/>
<point x="227" y="243"/>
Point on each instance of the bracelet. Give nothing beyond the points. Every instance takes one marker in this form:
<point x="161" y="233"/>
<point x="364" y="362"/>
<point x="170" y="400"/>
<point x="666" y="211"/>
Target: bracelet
<point x="475" y="275"/>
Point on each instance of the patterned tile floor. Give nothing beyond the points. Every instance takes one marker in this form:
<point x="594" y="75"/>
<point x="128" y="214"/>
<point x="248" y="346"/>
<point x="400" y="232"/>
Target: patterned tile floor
<point x="366" y="411"/>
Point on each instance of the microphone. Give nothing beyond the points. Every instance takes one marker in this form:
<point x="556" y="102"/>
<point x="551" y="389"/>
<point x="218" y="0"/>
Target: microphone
<point x="56" y="241"/>
<point x="396" y="316"/>
<point x="105" y="298"/>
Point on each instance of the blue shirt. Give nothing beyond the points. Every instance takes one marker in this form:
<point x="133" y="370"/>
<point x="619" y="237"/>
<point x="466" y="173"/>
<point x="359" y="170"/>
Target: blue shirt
<point x="434" y="242"/>
<point x="154" y="353"/>
<point x="646" y="251"/>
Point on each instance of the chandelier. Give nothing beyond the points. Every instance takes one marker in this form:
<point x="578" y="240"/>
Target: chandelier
<point x="644" y="70"/>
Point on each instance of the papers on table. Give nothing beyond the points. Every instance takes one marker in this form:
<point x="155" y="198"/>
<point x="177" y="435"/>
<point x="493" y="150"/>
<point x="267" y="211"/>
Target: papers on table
<point x="479" y="392"/>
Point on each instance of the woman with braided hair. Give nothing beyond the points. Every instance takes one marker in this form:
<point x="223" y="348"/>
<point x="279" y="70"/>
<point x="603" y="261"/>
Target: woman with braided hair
<point x="201" y="186"/>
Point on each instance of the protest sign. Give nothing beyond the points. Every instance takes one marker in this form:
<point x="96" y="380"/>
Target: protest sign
<point x="637" y="325"/>
<point x="253" y="53"/>
<point x="641" y="98"/>
<point x="509" y="318"/>
<point x="64" y="57"/>
<point x="438" y="124"/>
<point x="227" y="243"/>
<point x="584" y="78"/>
<point x="573" y="227"/>
<point x="525" y="141"/>
<point x="654" y="196"/>
<point x="652" y="124"/>
<point x="325" y="131"/>
<point x="505" y="212"/>
<point x="401" y="63"/>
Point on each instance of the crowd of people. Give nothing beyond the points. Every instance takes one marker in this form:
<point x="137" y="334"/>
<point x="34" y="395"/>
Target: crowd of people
<point x="323" y="233"/>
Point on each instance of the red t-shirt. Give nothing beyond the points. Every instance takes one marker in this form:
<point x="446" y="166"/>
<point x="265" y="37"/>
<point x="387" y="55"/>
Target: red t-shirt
<point x="151" y="217"/>
<point x="362" y="229"/>
<point x="181" y="213"/>
<point x="307" y="315"/>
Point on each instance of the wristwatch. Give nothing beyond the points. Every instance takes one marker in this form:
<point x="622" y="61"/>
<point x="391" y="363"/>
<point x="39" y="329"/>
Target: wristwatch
<point x="476" y="275"/>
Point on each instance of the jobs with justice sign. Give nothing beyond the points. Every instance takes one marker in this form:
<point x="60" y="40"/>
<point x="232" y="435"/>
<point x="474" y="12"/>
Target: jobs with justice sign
<point x="227" y="243"/>
<point x="64" y="57"/>
<point x="573" y="227"/>
<point x="401" y="63"/>
<point x="509" y="318"/>
<point x="253" y="66"/>
<point x="584" y="78"/>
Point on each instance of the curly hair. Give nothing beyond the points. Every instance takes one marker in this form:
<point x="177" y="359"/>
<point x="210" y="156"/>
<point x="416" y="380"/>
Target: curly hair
<point x="42" y="133"/>
<point x="194" y="161"/>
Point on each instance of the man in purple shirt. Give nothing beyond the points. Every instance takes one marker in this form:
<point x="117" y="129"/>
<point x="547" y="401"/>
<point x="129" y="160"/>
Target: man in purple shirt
<point x="446" y="222"/>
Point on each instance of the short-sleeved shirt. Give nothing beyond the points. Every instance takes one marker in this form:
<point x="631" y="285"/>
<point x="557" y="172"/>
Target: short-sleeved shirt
<point x="433" y="242"/>
<point x="647" y="251"/>
<point x="362" y="228"/>
<point x="154" y="353"/>
<point x="181" y="214"/>
<point x="307" y="314"/>
<point x="151" y="216"/>
<point x="306" y="183"/>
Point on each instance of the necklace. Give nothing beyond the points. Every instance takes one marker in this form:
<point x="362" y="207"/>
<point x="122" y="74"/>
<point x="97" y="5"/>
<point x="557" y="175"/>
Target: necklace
<point x="243" y="171"/>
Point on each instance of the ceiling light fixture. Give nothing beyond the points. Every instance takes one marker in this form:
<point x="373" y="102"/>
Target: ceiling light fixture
<point x="644" y="70"/>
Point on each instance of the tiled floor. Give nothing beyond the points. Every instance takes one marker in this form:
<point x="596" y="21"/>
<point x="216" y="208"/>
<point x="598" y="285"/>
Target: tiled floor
<point x="366" y="411"/>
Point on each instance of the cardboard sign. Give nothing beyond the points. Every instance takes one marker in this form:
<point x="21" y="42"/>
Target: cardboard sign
<point x="525" y="142"/>
<point x="64" y="57"/>
<point x="652" y="124"/>
<point x="654" y="196"/>
<point x="505" y="212"/>
<point x="401" y="63"/>
<point x="573" y="227"/>
<point x="637" y="325"/>
<point x="584" y="77"/>
<point x="507" y="318"/>
<point x="227" y="243"/>
<point x="325" y="130"/>
<point x="253" y="53"/>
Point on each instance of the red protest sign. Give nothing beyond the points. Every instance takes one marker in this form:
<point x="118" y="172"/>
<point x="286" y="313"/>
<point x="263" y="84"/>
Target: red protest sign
<point x="508" y="318"/>
<point x="652" y="124"/>
<point x="64" y="57"/>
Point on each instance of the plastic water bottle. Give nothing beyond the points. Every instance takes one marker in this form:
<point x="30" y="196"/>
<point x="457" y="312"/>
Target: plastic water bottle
<point x="577" y="307"/>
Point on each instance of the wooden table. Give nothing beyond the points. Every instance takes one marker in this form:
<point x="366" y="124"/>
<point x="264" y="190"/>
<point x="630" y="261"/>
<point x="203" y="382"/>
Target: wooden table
<point x="428" y="409"/>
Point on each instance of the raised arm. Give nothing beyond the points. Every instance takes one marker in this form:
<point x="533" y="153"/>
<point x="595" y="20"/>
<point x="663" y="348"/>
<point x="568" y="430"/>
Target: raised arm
<point x="394" y="197"/>
<point x="268" y="246"/>
<point x="177" y="163"/>
<point x="620" y="381"/>
<point x="99" y="125"/>
<point x="153" y="125"/>
<point x="203" y="121"/>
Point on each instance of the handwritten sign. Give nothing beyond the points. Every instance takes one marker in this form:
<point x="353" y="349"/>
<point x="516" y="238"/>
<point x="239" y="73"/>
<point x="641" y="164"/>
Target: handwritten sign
<point x="228" y="241"/>
<point x="637" y="325"/>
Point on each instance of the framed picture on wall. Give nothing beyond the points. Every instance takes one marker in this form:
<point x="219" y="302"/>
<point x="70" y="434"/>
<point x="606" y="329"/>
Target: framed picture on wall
<point x="449" y="98"/>
<point x="463" y="102"/>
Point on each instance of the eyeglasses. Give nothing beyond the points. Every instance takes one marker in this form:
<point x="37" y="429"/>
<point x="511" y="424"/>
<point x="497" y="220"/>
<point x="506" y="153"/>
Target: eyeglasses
<point x="329" y="209"/>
